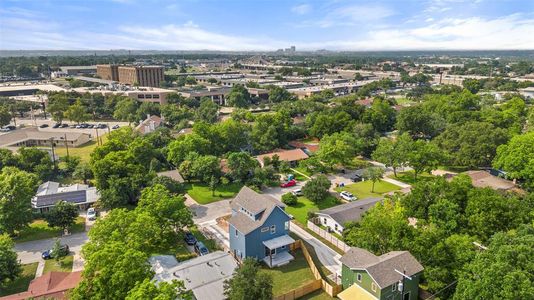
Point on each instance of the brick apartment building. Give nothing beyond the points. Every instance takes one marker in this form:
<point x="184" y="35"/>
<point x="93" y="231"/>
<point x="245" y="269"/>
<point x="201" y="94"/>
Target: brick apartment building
<point x="141" y="75"/>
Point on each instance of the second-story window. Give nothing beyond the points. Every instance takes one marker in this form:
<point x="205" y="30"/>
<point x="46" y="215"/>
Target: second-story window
<point x="236" y="234"/>
<point x="273" y="229"/>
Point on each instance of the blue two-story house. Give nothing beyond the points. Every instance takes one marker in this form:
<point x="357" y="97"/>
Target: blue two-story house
<point x="259" y="228"/>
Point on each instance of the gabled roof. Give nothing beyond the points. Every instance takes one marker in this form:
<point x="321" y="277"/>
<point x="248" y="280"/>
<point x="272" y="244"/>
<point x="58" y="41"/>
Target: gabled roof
<point x="382" y="268"/>
<point x="48" y="188"/>
<point x="352" y="211"/>
<point x="172" y="174"/>
<point x="50" y="285"/>
<point x="253" y="203"/>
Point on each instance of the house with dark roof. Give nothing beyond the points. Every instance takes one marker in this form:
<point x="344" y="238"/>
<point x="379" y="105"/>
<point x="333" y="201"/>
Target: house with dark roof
<point x="259" y="228"/>
<point x="391" y="276"/>
<point x="50" y="192"/>
<point x="335" y="218"/>
<point x="52" y="285"/>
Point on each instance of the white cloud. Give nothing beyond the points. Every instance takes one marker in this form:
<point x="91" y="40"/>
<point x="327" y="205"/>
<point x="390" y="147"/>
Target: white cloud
<point x="350" y="16"/>
<point x="301" y="9"/>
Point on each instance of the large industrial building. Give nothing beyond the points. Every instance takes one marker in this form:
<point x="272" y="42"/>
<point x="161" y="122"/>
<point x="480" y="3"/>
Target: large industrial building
<point x="132" y="75"/>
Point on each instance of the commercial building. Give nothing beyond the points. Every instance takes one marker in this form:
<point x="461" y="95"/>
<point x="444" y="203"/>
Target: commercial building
<point x="30" y="137"/>
<point x="108" y="72"/>
<point x="150" y="76"/>
<point x="78" y="70"/>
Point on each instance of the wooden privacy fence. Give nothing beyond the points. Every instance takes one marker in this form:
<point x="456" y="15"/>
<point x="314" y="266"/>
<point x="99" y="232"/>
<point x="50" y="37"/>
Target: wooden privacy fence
<point x="318" y="283"/>
<point x="328" y="237"/>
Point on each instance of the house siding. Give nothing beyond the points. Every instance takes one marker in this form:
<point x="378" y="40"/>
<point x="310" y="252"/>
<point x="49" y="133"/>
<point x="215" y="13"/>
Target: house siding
<point x="330" y="223"/>
<point x="237" y="243"/>
<point x="349" y="277"/>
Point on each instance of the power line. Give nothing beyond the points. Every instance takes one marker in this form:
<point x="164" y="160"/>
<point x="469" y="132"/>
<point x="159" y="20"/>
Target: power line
<point x="448" y="286"/>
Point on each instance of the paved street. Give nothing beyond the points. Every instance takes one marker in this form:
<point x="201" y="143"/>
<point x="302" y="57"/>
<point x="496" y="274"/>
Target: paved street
<point x="29" y="252"/>
<point x="208" y="212"/>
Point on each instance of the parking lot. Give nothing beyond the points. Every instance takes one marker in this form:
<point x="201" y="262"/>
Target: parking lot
<point x="26" y="122"/>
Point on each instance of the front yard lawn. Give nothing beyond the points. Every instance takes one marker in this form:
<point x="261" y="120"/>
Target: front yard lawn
<point x="202" y="194"/>
<point x="362" y="189"/>
<point x="63" y="265"/>
<point x="84" y="151"/>
<point x="408" y="177"/>
<point x="300" y="210"/>
<point x="22" y="282"/>
<point x="291" y="276"/>
<point x="39" y="230"/>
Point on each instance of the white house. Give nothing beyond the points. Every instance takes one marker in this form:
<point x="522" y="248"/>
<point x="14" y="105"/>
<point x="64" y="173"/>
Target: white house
<point x="335" y="218"/>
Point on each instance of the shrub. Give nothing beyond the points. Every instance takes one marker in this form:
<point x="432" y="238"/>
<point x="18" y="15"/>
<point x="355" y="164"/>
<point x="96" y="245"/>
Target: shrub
<point x="289" y="199"/>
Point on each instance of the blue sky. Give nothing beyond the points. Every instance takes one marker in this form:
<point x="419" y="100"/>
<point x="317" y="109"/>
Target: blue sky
<point x="267" y="24"/>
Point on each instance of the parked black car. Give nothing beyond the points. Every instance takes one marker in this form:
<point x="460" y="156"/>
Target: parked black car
<point x="64" y="125"/>
<point x="356" y="178"/>
<point x="57" y="125"/>
<point x="190" y="239"/>
<point x="48" y="254"/>
<point x="43" y="125"/>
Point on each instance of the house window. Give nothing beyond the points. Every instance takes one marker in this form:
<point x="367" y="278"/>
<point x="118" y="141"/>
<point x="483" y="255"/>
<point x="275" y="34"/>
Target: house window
<point x="406" y="296"/>
<point x="286" y="225"/>
<point x="324" y="221"/>
<point x="273" y="229"/>
<point x="359" y="277"/>
<point x="283" y="247"/>
<point x="394" y="287"/>
<point x="265" y="229"/>
<point x="335" y="227"/>
<point x="236" y="234"/>
<point x="373" y="287"/>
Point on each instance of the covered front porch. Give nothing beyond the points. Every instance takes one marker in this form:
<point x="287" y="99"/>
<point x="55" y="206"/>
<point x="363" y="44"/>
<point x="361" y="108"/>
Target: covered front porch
<point x="276" y="251"/>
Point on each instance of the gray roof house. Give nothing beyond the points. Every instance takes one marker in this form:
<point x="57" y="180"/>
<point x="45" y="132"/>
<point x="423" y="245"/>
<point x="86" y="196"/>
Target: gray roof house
<point x="336" y="217"/>
<point x="203" y="275"/>
<point x="50" y="192"/>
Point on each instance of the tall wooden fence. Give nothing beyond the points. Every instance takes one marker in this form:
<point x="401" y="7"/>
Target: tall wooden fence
<point x="328" y="237"/>
<point x="318" y="283"/>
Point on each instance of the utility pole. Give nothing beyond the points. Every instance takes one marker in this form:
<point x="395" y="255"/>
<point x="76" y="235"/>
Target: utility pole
<point x="67" y="146"/>
<point x="401" y="282"/>
<point x="97" y="139"/>
<point x="53" y="154"/>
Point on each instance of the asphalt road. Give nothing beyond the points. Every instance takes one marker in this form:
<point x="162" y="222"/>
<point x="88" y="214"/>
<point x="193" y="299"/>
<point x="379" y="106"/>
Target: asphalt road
<point x="30" y="252"/>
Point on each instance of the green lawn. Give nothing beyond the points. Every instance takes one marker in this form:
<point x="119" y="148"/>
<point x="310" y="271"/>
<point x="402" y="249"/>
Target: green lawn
<point x="63" y="265"/>
<point x="202" y="193"/>
<point x="39" y="230"/>
<point x="84" y="151"/>
<point x="303" y="171"/>
<point x="299" y="176"/>
<point x="290" y="276"/>
<point x="22" y="282"/>
<point x="300" y="210"/>
<point x="408" y="177"/>
<point x="317" y="295"/>
<point x="362" y="189"/>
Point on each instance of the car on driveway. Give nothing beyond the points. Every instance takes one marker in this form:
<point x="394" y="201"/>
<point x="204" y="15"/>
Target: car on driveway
<point x="201" y="249"/>
<point x="356" y="178"/>
<point x="115" y="127"/>
<point x="190" y="239"/>
<point x="91" y="214"/>
<point x="347" y="196"/>
<point x="48" y="254"/>
<point x="297" y="192"/>
<point x="290" y="183"/>
<point x="43" y="125"/>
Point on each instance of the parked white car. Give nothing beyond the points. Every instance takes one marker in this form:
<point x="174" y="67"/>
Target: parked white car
<point x="347" y="196"/>
<point x="91" y="214"/>
<point x="297" y="192"/>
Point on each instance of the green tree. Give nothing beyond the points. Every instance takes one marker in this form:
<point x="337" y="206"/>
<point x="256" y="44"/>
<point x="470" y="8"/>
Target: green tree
<point x="289" y="199"/>
<point x="509" y="255"/>
<point x="208" y="111"/>
<point x="338" y="148"/>
<point x="374" y="174"/>
<point x="83" y="172"/>
<point x="382" y="229"/>
<point x="278" y="94"/>
<point x="472" y="85"/>
<point x="5" y="116"/>
<point x="126" y="110"/>
<point x="241" y="165"/>
<point x="393" y="153"/>
<point x="16" y="191"/>
<point x="418" y="122"/>
<point x="181" y="147"/>
<point x="238" y="96"/>
<point x="148" y="109"/>
<point x="148" y="289"/>
<point x="56" y="250"/>
<point x="381" y="115"/>
<point x="316" y="189"/>
<point x="424" y="156"/>
<point x="169" y="209"/>
<point x="77" y="112"/>
<point x="249" y="282"/>
<point x="9" y="265"/>
<point x="57" y="106"/>
<point x="62" y="215"/>
<point x="36" y="161"/>
<point x="516" y="158"/>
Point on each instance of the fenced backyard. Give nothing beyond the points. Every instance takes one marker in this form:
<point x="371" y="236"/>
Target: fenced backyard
<point x="328" y="237"/>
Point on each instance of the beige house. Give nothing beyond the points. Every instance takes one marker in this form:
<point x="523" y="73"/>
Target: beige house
<point x="33" y="137"/>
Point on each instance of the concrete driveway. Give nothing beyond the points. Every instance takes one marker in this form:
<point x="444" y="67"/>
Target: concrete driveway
<point x="203" y="213"/>
<point x="29" y="252"/>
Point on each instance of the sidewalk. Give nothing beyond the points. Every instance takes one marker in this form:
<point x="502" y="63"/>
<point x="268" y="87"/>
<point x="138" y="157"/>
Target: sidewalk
<point x="396" y="182"/>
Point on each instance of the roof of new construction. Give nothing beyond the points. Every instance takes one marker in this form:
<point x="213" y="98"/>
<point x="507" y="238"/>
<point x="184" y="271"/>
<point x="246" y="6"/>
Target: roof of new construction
<point x="349" y="212"/>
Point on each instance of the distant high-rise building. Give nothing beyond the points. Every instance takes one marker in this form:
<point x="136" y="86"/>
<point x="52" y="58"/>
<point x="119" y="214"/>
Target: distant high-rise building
<point x="293" y="49"/>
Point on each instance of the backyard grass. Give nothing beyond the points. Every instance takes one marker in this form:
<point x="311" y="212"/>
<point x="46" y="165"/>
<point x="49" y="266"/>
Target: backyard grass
<point x="303" y="171"/>
<point x="299" y="176"/>
<point x="202" y="193"/>
<point x="291" y="276"/>
<point x="300" y="210"/>
<point x="39" y="230"/>
<point x="22" y="282"/>
<point x="84" y="151"/>
<point x="408" y="177"/>
<point x="362" y="189"/>
<point x="63" y="265"/>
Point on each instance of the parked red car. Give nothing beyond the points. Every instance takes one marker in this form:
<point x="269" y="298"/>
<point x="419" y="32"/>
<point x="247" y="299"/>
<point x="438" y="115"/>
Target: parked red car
<point x="290" y="183"/>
